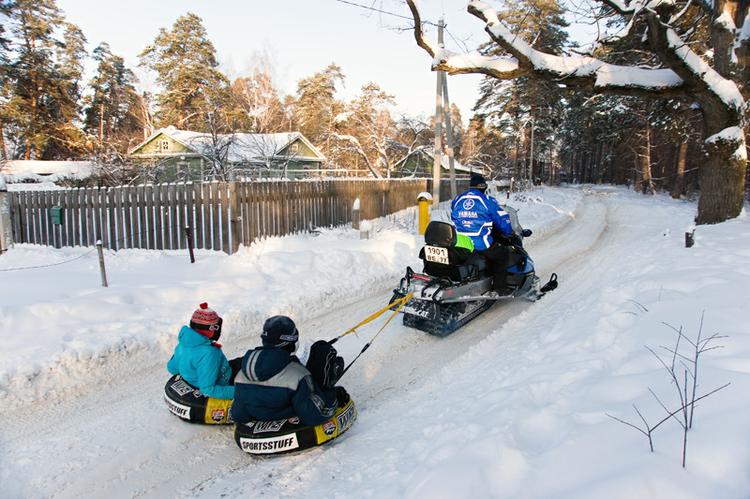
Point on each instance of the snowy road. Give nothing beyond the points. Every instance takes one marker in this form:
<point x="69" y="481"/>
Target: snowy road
<point x="119" y="441"/>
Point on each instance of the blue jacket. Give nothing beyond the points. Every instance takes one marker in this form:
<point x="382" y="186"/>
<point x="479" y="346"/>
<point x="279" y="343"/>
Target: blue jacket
<point x="474" y="214"/>
<point x="202" y="365"/>
<point x="274" y="385"/>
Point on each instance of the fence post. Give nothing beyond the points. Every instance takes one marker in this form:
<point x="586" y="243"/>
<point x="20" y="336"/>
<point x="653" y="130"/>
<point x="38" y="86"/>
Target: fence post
<point x="189" y="235"/>
<point x="101" y="263"/>
<point x="355" y="214"/>
<point x="6" y="230"/>
<point x="235" y="217"/>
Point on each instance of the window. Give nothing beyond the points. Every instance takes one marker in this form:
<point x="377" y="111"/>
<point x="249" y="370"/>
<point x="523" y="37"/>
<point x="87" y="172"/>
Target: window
<point x="163" y="145"/>
<point x="294" y="149"/>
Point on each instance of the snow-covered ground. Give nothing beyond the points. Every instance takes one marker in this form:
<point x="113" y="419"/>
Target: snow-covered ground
<point x="512" y="405"/>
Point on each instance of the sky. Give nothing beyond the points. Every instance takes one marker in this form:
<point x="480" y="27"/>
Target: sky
<point x="300" y="37"/>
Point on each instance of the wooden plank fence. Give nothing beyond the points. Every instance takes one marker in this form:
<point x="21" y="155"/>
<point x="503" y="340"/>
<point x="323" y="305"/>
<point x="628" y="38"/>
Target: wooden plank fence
<point x="221" y="215"/>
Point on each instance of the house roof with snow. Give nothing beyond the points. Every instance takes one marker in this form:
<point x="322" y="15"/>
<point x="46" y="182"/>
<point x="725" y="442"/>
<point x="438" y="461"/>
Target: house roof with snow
<point x="238" y="148"/>
<point x="45" y="171"/>
<point x="427" y="154"/>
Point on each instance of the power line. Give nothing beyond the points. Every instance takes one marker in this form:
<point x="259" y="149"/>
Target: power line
<point x="430" y="23"/>
<point x="368" y="7"/>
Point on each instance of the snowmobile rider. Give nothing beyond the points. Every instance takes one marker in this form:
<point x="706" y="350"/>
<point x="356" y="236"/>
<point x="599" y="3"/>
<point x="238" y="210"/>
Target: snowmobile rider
<point x="198" y="357"/>
<point x="478" y="215"/>
<point x="273" y="384"/>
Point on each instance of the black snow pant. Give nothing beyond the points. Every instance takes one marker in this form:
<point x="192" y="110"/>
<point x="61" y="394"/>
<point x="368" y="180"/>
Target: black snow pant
<point x="499" y="258"/>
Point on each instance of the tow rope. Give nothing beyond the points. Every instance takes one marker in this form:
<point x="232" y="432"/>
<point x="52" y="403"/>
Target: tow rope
<point x="399" y="304"/>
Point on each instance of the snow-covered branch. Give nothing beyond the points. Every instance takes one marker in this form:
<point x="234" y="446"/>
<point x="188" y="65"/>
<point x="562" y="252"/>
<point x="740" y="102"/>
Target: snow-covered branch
<point x="578" y="71"/>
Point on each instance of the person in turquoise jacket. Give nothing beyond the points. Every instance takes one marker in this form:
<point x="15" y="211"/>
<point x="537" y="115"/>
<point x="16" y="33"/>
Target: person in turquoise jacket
<point x="198" y="357"/>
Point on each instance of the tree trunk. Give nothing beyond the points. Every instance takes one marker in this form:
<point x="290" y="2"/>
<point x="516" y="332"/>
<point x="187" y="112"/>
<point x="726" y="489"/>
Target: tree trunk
<point x="647" y="183"/>
<point x="678" y="187"/>
<point x="3" y="152"/>
<point x="722" y="176"/>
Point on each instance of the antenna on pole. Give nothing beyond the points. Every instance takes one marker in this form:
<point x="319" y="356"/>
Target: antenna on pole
<point x="438" y="153"/>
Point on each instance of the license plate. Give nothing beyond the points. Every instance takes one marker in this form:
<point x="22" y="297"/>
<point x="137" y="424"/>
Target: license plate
<point x="436" y="254"/>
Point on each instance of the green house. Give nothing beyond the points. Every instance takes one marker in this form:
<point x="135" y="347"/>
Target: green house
<point x="170" y="154"/>
<point x="419" y="164"/>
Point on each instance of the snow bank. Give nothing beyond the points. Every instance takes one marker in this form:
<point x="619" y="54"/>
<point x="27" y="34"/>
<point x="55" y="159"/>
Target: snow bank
<point x="61" y="327"/>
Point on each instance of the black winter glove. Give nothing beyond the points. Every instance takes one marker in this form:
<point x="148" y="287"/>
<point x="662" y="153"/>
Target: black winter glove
<point x="324" y="364"/>
<point x="526" y="232"/>
<point x="341" y="396"/>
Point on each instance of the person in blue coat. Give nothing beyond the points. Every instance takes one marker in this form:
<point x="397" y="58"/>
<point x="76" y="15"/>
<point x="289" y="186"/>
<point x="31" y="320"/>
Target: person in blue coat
<point x="198" y="357"/>
<point x="476" y="215"/>
<point x="273" y="384"/>
<point x="480" y="217"/>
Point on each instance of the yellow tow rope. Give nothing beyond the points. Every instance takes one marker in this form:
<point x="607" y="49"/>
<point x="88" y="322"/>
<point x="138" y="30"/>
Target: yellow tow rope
<point x="399" y="304"/>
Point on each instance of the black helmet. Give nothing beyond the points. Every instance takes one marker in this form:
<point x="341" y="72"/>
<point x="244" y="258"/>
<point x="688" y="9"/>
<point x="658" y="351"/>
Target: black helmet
<point x="478" y="182"/>
<point x="279" y="331"/>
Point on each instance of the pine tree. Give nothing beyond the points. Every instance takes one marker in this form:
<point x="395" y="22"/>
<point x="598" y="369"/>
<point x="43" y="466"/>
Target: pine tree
<point x="43" y="81"/>
<point x="110" y="115"/>
<point x="316" y="105"/>
<point x="67" y="139"/>
<point x="514" y="107"/>
<point x="184" y="60"/>
<point x="4" y="73"/>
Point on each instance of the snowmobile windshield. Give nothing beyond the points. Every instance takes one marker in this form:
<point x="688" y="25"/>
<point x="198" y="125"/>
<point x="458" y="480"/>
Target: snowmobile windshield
<point x="513" y="215"/>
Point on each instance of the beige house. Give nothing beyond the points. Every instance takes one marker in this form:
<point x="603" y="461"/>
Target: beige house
<point x="171" y="154"/>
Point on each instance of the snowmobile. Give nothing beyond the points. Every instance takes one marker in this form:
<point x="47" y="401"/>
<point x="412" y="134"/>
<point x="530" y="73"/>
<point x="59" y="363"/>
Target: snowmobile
<point x="455" y="285"/>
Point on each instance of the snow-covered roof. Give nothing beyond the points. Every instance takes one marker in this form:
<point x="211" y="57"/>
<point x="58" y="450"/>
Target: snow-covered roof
<point x="243" y="147"/>
<point x="50" y="171"/>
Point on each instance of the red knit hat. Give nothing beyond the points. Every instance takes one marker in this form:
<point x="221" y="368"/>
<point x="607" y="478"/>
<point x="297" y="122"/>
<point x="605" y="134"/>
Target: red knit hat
<point x="204" y="317"/>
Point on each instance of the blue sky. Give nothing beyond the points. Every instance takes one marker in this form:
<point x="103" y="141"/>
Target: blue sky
<point x="301" y="36"/>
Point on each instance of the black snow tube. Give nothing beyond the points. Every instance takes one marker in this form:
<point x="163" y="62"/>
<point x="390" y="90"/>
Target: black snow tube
<point x="264" y="438"/>
<point x="188" y="403"/>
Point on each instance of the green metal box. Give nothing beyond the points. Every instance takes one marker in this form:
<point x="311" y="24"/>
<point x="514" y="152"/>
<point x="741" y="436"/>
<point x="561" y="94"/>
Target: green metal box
<point x="56" y="214"/>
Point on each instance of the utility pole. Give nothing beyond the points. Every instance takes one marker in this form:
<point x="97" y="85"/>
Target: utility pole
<point x="438" y="154"/>
<point x="449" y="134"/>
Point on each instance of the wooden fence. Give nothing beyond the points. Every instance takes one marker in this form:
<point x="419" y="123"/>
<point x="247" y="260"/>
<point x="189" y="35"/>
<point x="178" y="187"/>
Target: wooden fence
<point x="221" y="215"/>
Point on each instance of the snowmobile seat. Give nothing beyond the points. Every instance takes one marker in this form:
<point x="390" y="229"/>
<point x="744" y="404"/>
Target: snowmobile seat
<point x="461" y="265"/>
<point x="187" y="402"/>
<point x="289" y="435"/>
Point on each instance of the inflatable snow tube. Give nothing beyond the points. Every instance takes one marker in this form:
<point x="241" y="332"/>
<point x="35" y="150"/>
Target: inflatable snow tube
<point x="290" y="435"/>
<point x="188" y="403"/>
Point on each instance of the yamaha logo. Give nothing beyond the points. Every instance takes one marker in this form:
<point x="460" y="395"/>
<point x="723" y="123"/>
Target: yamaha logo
<point x="468" y="204"/>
